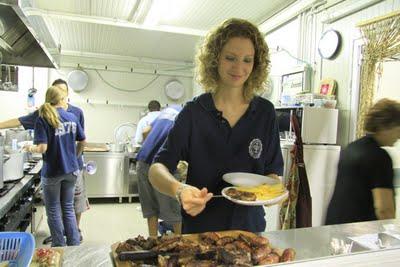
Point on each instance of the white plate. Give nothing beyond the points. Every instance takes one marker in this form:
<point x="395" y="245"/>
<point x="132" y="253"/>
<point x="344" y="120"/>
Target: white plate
<point x="268" y="202"/>
<point x="247" y="179"/>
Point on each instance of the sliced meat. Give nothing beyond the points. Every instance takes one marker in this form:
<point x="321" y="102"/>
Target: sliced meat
<point x="210" y="238"/>
<point x="241" y="195"/>
<point x="259" y="253"/>
<point x="225" y="240"/>
<point x="241" y="245"/>
<point x="201" y="263"/>
<point x="235" y="258"/>
<point x="269" y="259"/>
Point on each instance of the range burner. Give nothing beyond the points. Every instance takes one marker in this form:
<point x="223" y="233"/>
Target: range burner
<point x="7" y="187"/>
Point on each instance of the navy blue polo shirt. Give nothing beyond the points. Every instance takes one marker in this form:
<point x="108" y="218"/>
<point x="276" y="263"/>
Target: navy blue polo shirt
<point x="203" y="138"/>
<point x="60" y="157"/>
<point x="159" y="131"/>
<point x="28" y="122"/>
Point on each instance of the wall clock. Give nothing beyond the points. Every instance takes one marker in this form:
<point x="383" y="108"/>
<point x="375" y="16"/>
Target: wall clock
<point x="329" y="44"/>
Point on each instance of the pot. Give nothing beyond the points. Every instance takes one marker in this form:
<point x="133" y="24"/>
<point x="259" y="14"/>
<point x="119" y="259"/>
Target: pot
<point x="19" y="134"/>
<point x="120" y="147"/>
<point x="13" y="168"/>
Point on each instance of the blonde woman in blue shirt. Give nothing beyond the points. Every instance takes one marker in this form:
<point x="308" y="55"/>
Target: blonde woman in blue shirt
<point x="56" y="133"/>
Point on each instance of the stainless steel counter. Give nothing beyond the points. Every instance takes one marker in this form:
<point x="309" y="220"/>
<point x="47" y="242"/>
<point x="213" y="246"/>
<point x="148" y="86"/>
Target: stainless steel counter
<point x="112" y="178"/>
<point x="315" y="242"/>
<point x="311" y="245"/>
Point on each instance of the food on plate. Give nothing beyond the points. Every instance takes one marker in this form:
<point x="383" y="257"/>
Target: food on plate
<point x="261" y="192"/>
<point x="46" y="257"/>
<point x="207" y="249"/>
<point x="241" y="195"/>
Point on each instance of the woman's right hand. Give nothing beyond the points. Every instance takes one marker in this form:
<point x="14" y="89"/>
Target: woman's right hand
<point x="194" y="200"/>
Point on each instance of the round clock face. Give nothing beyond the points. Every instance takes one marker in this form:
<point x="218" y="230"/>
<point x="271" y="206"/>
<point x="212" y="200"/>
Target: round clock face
<point x="174" y="90"/>
<point x="329" y="44"/>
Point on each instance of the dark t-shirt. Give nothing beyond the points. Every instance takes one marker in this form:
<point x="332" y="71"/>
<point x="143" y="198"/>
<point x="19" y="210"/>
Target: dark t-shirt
<point x="28" y="122"/>
<point x="203" y="138"/>
<point x="60" y="157"/>
<point x="363" y="166"/>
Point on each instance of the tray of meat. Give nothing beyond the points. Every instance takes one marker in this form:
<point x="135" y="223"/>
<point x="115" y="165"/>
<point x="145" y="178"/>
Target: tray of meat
<point x="227" y="248"/>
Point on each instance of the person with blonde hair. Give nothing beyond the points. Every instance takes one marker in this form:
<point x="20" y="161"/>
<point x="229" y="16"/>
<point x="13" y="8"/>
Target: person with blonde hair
<point x="56" y="133"/>
<point x="81" y="202"/>
<point x="227" y="129"/>
<point x="364" y="183"/>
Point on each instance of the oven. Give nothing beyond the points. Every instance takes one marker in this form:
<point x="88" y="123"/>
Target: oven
<point x="19" y="211"/>
<point x="20" y="202"/>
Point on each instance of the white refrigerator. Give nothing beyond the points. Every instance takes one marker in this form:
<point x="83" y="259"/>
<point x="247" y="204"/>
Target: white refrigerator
<point x="321" y="157"/>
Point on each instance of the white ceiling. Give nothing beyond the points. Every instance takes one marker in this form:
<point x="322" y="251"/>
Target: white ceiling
<point x="106" y="28"/>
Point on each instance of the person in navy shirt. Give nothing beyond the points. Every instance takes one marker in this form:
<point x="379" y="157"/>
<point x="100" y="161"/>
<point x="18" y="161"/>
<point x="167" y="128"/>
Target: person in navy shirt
<point x="154" y="204"/>
<point x="227" y="129"/>
<point x="56" y="133"/>
<point x="81" y="202"/>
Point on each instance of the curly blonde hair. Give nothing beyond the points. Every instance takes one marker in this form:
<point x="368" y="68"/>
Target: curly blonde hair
<point x="209" y="53"/>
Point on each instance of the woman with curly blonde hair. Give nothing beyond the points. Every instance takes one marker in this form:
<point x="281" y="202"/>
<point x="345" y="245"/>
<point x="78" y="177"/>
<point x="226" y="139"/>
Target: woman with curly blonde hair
<point x="227" y="129"/>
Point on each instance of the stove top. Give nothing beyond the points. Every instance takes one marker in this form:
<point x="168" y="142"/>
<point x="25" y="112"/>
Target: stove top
<point x="7" y="187"/>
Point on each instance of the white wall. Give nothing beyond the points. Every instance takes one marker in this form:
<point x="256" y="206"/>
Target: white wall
<point x="14" y="104"/>
<point x="387" y="85"/>
<point x="340" y="67"/>
<point x="100" y="118"/>
<point x="287" y="39"/>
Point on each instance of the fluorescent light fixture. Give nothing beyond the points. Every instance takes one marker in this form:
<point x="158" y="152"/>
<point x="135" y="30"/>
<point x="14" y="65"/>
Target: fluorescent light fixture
<point x="166" y="10"/>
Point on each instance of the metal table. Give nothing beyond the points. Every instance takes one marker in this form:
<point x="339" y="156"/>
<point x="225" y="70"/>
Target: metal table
<point x="311" y="245"/>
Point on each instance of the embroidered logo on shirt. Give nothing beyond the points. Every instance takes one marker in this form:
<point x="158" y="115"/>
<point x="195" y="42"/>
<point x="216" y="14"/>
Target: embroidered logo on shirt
<point x="255" y="148"/>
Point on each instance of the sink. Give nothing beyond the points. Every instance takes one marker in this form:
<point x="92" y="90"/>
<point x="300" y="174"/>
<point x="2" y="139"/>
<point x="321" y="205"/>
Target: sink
<point x="375" y="241"/>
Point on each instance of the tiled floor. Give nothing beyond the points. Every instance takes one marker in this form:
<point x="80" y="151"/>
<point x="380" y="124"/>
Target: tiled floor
<point x="105" y="224"/>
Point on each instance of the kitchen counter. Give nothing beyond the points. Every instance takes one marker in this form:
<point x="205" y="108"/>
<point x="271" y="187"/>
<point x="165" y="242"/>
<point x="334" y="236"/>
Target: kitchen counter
<point x="314" y="242"/>
<point x="311" y="245"/>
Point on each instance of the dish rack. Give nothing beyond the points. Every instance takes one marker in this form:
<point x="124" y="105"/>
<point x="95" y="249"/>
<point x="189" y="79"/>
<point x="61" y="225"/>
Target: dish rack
<point x="17" y="248"/>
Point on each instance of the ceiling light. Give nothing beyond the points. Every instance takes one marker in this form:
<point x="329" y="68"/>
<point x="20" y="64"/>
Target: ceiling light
<point x="166" y="10"/>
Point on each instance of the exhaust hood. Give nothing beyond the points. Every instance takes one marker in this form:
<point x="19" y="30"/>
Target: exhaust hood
<point x="18" y="42"/>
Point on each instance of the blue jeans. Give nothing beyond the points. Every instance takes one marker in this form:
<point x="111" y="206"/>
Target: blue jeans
<point x="58" y="195"/>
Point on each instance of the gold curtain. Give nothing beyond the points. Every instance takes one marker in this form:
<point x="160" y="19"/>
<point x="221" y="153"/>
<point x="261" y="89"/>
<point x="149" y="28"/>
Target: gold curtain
<point x="382" y="41"/>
